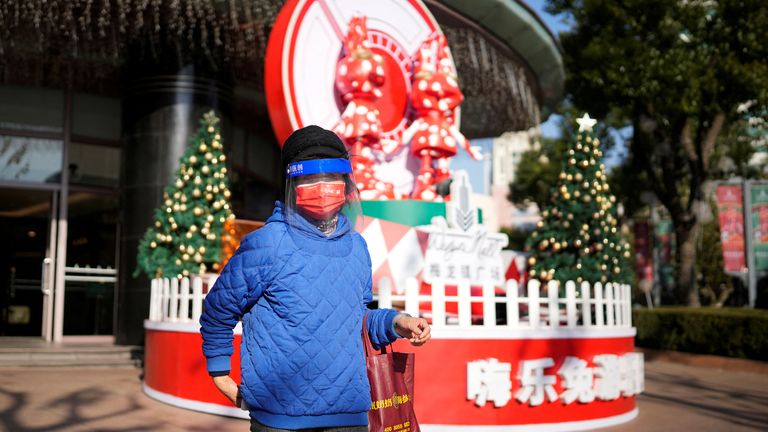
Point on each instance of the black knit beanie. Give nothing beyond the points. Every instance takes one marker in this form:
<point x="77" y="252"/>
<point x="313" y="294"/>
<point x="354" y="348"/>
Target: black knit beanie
<point x="313" y="142"/>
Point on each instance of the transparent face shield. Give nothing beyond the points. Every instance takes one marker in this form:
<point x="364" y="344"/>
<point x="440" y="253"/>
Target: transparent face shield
<point x="321" y="191"/>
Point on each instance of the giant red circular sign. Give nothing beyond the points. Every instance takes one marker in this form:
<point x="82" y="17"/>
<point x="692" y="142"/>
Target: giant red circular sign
<point x="304" y="48"/>
<point x="306" y="43"/>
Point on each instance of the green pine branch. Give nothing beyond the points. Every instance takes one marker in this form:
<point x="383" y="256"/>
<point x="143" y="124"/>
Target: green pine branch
<point x="185" y="237"/>
<point x="579" y="237"/>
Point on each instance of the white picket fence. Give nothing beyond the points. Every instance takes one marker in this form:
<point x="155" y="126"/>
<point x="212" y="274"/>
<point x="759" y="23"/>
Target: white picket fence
<point x="178" y="300"/>
<point x="534" y="307"/>
<point x="597" y="306"/>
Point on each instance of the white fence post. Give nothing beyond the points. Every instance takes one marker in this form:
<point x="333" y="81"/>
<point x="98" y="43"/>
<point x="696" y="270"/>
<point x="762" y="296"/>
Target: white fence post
<point x="173" y="312"/>
<point x="212" y="281"/>
<point x="628" y="305"/>
<point x="197" y="298"/>
<point x="165" y="297"/>
<point x="609" y="321"/>
<point x="570" y="303"/>
<point x="465" y="304"/>
<point x="412" y="296"/>
<point x="152" y="299"/>
<point x="599" y="322"/>
<point x="553" y="298"/>
<point x="618" y="290"/>
<point x="533" y="303"/>
<point x="586" y="305"/>
<point x="438" y="303"/>
<point x="489" y="303"/>
<point x="184" y="300"/>
<point x="513" y="310"/>
<point x="385" y="293"/>
<point x="170" y="301"/>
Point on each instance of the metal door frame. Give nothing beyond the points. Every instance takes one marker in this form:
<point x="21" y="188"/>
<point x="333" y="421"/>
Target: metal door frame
<point x="48" y="275"/>
<point x="61" y="237"/>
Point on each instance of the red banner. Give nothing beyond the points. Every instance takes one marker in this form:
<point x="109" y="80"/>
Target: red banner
<point x="730" y="210"/>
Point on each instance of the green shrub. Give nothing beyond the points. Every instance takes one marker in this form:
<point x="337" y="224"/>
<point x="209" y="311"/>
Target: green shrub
<point x="719" y="331"/>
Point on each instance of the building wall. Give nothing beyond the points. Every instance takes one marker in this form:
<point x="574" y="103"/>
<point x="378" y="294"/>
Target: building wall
<point x="507" y="152"/>
<point x="43" y="130"/>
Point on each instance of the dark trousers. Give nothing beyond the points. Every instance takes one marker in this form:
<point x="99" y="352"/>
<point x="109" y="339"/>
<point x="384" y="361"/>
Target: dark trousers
<point x="258" y="427"/>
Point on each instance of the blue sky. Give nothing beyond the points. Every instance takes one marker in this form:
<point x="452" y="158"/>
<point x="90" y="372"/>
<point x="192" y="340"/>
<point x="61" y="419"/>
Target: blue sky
<point x="549" y="129"/>
<point x="556" y="24"/>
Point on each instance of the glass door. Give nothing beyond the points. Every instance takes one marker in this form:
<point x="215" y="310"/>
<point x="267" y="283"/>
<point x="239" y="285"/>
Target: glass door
<point x="90" y="275"/>
<point x="27" y="230"/>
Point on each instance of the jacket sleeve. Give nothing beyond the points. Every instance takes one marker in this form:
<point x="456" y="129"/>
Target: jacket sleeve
<point x="380" y="322"/>
<point x="238" y="287"/>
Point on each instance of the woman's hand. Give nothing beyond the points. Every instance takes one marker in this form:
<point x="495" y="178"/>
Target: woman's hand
<point x="227" y="387"/>
<point x="416" y="330"/>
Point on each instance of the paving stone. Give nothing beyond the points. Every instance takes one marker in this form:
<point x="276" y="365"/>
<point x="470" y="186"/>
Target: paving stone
<point x="677" y="398"/>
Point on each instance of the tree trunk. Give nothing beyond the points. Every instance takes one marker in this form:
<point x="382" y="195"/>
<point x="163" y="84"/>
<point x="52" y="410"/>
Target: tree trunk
<point x="687" y="231"/>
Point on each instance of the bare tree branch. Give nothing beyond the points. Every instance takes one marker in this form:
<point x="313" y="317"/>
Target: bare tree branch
<point x="708" y="146"/>
<point x="685" y="139"/>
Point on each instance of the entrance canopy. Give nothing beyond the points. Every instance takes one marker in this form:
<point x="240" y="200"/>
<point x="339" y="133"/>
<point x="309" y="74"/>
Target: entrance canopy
<point x="509" y="65"/>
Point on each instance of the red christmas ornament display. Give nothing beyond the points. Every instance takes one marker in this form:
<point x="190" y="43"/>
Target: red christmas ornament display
<point x="433" y="135"/>
<point x="359" y="76"/>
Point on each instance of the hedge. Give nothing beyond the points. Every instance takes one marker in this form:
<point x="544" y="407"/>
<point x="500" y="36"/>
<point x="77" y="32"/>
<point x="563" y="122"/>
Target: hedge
<point x="719" y="331"/>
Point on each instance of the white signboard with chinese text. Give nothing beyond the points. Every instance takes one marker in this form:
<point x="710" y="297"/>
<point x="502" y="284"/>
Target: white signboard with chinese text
<point x="459" y="248"/>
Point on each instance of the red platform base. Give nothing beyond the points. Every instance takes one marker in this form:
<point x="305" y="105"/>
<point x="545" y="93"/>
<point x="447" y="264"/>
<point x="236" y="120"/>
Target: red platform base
<point x="175" y="373"/>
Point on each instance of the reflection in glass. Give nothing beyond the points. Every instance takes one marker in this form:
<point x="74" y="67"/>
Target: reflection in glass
<point x="91" y="242"/>
<point x="94" y="165"/>
<point x="24" y="232"/>
<point x="96" y="116"/>
<point x="31" y="108"/>
<point x="30" y="159"/>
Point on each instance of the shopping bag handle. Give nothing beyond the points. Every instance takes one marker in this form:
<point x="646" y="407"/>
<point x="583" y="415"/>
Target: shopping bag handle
<point x="367" y="344"/>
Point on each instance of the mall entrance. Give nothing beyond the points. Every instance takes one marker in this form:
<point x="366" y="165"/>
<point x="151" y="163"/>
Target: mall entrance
<point x="59" y="172"/>
<point x="57" y="274"/>
<point x="27" y="229"/>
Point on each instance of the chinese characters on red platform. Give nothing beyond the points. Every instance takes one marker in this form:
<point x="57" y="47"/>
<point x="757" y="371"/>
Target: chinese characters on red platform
<point x="611" y="377"/>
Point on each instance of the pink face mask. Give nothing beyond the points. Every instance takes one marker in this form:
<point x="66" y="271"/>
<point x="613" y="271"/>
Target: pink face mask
<point x="320" y="200"/>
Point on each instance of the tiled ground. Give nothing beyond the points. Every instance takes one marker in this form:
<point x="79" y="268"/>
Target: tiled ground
<point x="677" y="398"/>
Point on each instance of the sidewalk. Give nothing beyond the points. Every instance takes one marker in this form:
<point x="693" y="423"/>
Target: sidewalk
<point x="677" y="398"/>
<point x="681" y="397"/>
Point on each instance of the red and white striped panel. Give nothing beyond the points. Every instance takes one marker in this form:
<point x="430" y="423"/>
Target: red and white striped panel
<point x="397" y="251"/>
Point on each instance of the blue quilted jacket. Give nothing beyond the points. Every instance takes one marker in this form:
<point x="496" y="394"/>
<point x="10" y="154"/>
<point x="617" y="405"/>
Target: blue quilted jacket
<point x="301" y="297"/>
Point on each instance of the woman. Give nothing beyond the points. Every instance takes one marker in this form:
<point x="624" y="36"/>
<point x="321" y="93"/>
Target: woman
<point x="300" y="285"/>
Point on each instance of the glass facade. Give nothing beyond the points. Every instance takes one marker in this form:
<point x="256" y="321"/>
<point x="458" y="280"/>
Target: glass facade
<point x="45" y="130"/>
<point x="24" y="228"/>
<point x="29" y="159"/>
<point x="91" y="243"/>
<point x="82" y="169"/>
<point x="31" y="109"/>
<point x="94" y="165"/>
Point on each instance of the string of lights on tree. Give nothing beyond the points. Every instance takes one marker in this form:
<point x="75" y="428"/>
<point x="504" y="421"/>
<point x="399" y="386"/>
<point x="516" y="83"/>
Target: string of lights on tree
<point x="185" y="237"/>
<point x="579" y="237"/>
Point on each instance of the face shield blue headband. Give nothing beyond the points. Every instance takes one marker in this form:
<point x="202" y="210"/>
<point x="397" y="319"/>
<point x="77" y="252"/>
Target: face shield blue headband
<point x="319" y="188"/>
<point x="319" y="166"/>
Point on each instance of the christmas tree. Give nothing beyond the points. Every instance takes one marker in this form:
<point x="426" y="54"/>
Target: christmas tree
<point x="186" y="235"/>
<point x="579" y="237"/>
